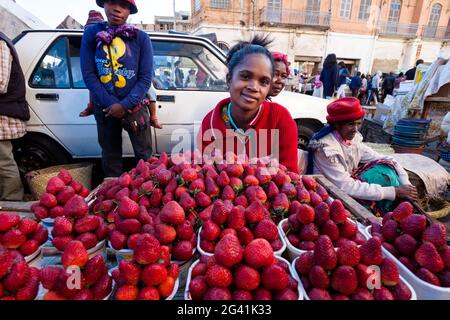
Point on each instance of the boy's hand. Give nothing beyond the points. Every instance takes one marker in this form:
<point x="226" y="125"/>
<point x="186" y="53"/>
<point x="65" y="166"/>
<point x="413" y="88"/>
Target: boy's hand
<point x="116" y="110"/>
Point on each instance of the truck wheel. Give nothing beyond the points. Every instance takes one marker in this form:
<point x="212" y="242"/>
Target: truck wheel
<point x="36" y="152"/>
<point x="304" y="135"/>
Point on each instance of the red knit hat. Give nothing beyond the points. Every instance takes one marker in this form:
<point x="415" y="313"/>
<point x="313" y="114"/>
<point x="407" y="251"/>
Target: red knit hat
<point x="133" y="8"/>
<point x="345" y="109"/>
<point x="278" y="56"/>
<point x="94" y="17"/>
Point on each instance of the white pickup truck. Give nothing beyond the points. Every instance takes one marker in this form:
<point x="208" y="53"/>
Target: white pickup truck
<point x="56" y="94"/>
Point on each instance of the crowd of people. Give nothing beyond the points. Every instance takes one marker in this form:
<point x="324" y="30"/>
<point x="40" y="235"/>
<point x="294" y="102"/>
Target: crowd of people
<point x="247" y="118"/>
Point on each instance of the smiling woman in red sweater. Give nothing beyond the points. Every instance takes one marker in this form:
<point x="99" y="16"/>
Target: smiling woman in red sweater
<point x="246" y="118"/>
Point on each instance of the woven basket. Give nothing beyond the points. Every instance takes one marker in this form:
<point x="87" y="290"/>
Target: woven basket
<point x="441" y="213"/>
<point x="421" y="189"/>
<point x="37" y="180"/>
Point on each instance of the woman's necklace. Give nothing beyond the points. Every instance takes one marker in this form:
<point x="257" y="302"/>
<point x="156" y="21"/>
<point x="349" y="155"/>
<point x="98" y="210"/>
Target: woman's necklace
<point x="239" y="131"/>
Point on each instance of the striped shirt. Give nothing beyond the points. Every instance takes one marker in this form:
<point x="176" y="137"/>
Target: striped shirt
<point x="10" y="128"/>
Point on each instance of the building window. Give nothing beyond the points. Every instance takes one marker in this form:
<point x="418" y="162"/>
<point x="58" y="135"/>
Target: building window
<point x="219" y="4"/>
<point x="435" y="15"/>
<point x="274" y="10"/>
<point x="346" y="9"/>
<point x="312" y="11"/>
<point x="364" y="9"/>
<point x="394" y="12"/>
<point x="197" y="5"/>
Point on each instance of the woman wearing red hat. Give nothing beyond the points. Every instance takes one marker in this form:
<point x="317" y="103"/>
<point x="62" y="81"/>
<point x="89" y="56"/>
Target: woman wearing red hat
<point x="281" y="74"/>
<point x="337" y="151"/>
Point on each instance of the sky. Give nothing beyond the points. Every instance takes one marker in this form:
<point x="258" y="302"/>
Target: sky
<point x="53" y="12"/>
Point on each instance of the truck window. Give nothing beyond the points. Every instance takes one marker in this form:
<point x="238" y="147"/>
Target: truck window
<point x="187" y="66"/>
<point x="75" y="68"/>
<point x="53" y="71"/>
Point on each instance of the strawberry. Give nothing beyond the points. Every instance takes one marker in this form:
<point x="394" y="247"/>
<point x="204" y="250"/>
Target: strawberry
<point x="13" y="239"/>
<point x="390" y="230"/>
<point x="156" y="198"/>
<point x="307" y="245"/>
<point x="280" y="204"/>
<point x="217" y="294"/>
<point x="319" y="277"/>
<point x="304" y="263"/>
<point x="428" y="257"/>
<point x="223" y="179"/>
<point x="445" y="255"/>
<point x="55" y="185"/>
<point x="319" y="294"/>
<point x="84" y="294"/>
<point x="182" y="251"/>
<point x="29" y="290"/>
<point x="289" y="190"/>
<point x="414" y="225"/>
<point x="64" y="195"/>
<point x="172" y="213"/>
<point x="274" y="278"/>
<point x="339" y="297"/>
<point x="55" y="212"/>
<point x="118" y="240"/>
<point x="305" y="214"/>
<point x="27" y="226"/>
<point x="62" y="227"/>
<point x="40" y="212"/>
<point x="228" y="193"/>
<point x="251" y="180"/>
<point x="87" y="224"/>
<point x="246" y="278"/>
<point x="324" y="253"/>
<point x="359" y="238"/>
<point x="48" y="200"/>
<point x="266" y="229"/>
<point x="219" y="276"/>
<point x="348" y="254"/>
<point x="147" y="250"/>
<point x="262" y="294"/>
<point x="235" y="170"/>
<point x="371" y="252"/>
<point x="436" y="234"/>
<point x="163" y="177"/>
<point x="322" y="192"/>
<point x="322" y="213"/>
<point x="76" y="207"/>
<point x="236" y="184"/>
<point x="362" y="294"/>
<point x="382" y="294"/>
<point x="19" y="275"/>
<point x="152" y="275"/>
<point x="185" y="230"/>
<point x="344" y="280"/>
<point x="254" y="193"/>
<point x="127" y="292"/>
<point x="129" y="226"/>
<point x="281" y="178"/>
<point x="210" y="231"/>
<point x="147" y="187"/>
<point x="199" y="269"/>
<point x="315" y="198"/>
<point x="166" y="288"/>
<point x="128" y="208"/>
<point x="389" y="247"/>
<point x="309" y="232"/>
<point x="428" y="276"/>
<point x="211" y="188"/>
<point x="198" y="287"/>
<point x="406" y="244"/>
<point x="337" y="212"/>
<point x="29" y="247"/>
<point x="303" y="196"/>
<point x="245" y="236"/>
<point x="228" y="251"/>
<point x="188" y="175"/>
<point x="389" y="273"/>
<point x="402" y="211"/>
<point x="310" y="183"/>
<point x="330" y="229"/>
<point x="409" y="263"/>
<point x="255" y="212"/>
<point x="65" y="176"/>
<point x="94" y="270"/>
<point x="259" y="253"/>
<point x="74" y="254"/>
<point x="49" y="276"/>
<point x="165" y="234"/>
<point x="202" y="200"/>
<point x="236" y="218"/>
<point x="124" y="192"/>
<point x="241" y="295"/>
<point x="293" y="223"/>
<point x="272" y="190"/>
<point x="263" y="175"/>
<point x="219" y="213"/>
<point x="61" y="242"/>
<point x="445" y="279"/>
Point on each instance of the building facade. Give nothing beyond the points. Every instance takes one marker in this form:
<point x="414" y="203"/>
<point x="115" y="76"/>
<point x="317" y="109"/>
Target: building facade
<point x="368" y="35"/>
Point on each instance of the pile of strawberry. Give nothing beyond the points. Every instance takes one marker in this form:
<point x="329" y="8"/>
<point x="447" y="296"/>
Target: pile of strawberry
<point x="307" y="222"/>
<point x="18" y="281"/>
<point x="60" y="190"/>
<point x="149" y="275"/>
<point x="234" y="273"/>
<point x="347" y="273"/>
<point x="24" y="235"/>
<point x="245" y="223"/>
<point x="94" y="282"/>
<point x="422" y="249"/>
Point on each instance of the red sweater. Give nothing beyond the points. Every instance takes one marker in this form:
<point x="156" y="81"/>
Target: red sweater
<point x="270" y="116"/>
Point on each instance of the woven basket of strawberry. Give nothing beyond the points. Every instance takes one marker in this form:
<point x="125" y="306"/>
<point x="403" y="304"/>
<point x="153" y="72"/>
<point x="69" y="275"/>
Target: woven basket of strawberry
<point x="419" y="248"/>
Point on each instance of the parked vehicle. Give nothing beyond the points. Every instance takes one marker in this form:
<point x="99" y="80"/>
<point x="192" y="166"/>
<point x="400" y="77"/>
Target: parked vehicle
<point x="56" y="94"/>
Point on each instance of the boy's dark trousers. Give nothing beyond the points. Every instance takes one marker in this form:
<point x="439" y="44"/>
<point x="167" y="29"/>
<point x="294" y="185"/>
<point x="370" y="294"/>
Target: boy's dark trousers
<point x="109" y="130"/>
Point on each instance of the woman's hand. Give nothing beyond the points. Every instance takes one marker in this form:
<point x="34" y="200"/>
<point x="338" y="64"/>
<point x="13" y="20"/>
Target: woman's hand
<point x="407" y="191"/>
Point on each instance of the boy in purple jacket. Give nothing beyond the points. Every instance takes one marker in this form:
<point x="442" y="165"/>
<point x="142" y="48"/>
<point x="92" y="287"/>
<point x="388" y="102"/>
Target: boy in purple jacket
<point x="117" y="67"/>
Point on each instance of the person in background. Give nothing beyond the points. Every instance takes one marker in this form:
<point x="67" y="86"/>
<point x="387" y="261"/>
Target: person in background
<point x="329" y="75"/>
<point x="411" y="73"/>
<point x="375" y="88"/>
<point x="110" y="50"/>
<point x="191" y="80"/>
<point x="179" y="75"/>
<point x="281" y="74"/>
<point x="337" y="150"/>
<point x="363" y="89"/>
<point x="152" y="108"/>
<point x="388" y="85"/>
<point x="14" y="112"/>
<point x="400" y="78"/>
<point x="355" y="84"/>
<point x="342" y="79"/>
<point x="303" y="81"/>
<point x="318" y="86"/>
